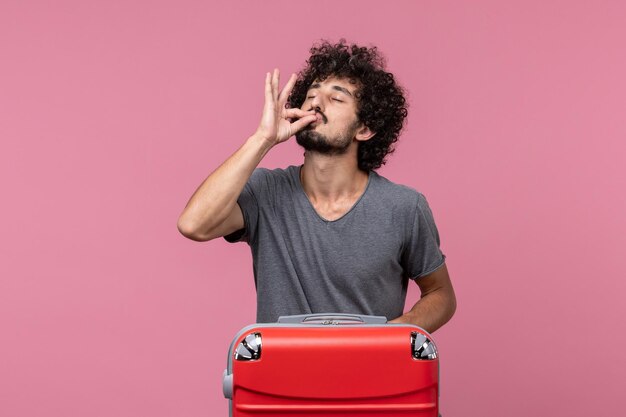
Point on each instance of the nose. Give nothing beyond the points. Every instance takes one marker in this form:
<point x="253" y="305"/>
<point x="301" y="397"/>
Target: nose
<point x="317" y="103"/>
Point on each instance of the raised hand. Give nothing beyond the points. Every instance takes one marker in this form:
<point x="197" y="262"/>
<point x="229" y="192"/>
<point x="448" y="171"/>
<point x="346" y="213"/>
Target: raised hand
<point x="276" y="125"/>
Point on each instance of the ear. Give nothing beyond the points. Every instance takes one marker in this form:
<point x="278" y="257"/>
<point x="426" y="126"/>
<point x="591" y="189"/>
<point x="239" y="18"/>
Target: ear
<point x="363" y="133"/>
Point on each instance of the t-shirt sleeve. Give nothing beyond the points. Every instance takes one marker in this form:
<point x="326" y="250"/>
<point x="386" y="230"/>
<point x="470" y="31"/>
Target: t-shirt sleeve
<point x="248" y="201"/>
<point x="422" y="254"/>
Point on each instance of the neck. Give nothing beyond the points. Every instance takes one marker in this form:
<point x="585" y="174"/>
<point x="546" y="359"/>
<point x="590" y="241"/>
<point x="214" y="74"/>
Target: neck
<point x="333" y="177"/>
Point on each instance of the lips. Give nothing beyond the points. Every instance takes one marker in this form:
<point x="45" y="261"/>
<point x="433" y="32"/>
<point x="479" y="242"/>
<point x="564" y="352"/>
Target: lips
<point x="319" y="117"/>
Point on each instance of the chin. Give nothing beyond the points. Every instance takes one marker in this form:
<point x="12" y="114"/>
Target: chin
<point x="311" y="140"/>
<point x="314" y="141"/>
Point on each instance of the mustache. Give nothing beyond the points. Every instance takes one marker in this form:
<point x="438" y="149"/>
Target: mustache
<point x="321" y="114"/>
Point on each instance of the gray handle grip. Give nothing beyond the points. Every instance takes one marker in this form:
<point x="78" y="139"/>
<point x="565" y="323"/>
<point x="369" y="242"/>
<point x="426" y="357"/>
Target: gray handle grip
<point x="332" y="318"/>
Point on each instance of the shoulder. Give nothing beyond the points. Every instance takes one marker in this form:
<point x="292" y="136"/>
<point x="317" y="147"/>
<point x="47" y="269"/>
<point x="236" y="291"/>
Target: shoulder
<point x="404" y="202"/>
<point x="269" y="179"/>
<point x="276" y="174"/>
<point x="398" y="195"/>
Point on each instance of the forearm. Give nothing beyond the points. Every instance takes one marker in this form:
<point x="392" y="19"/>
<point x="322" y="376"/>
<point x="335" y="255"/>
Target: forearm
<point x="431" y="312"/>
<point x="211" y="211"/>
<point x="216" y="197"/>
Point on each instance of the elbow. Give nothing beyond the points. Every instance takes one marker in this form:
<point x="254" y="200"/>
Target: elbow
<point x="451" y="305"/>
<point x="191" y="231"/>
<point x="452" y="309"/>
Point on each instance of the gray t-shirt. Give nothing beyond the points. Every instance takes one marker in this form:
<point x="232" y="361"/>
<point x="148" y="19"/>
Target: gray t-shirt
<point x="360" y="263"/>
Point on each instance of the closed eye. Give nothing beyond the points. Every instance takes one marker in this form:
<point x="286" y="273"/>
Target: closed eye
<point x="336" y="99"/>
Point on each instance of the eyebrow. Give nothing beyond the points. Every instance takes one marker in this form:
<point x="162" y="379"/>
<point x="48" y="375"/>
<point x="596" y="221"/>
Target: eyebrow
<point x="334" y="87"/>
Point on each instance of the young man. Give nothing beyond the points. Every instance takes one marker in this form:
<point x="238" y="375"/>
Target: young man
<point x="331" y="235"/>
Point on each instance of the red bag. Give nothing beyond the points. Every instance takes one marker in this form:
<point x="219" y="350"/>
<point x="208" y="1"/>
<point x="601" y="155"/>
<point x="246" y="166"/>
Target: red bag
<point x="332" y="365"/>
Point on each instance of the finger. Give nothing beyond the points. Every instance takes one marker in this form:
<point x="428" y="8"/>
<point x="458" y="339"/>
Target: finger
<point x="270" y="103"/>
<point x="284" y="94"/>
<point x="275" y="78"/>
<point x="297" y="113"/>
<point x="302" y="123"/>
<point x="268" y="88"/>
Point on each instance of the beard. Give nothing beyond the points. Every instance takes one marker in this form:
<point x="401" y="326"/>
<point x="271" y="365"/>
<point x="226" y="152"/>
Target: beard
<point x="317" y="142"/>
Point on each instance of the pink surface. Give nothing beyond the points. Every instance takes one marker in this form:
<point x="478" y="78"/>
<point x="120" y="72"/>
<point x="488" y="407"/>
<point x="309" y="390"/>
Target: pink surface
<point x="112" y="113"/>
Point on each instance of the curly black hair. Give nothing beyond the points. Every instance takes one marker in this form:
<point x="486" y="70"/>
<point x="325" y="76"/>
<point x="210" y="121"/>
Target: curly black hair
<point x="381" y="103"/>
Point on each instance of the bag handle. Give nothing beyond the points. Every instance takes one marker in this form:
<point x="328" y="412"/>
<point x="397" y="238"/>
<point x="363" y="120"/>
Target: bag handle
<point x="332" y="318"/>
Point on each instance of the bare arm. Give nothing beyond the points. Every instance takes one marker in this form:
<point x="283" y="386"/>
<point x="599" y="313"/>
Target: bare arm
<point x="436" y="305"/>
<point x="212" y="211"/>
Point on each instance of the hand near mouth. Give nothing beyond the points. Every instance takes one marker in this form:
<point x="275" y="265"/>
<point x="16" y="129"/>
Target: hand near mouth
<point x="319" y="117"/>
<point x="276" y="123"/>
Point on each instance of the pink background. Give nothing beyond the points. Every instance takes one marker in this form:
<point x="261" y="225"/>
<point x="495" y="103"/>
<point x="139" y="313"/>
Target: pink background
<point x="113" y="112"/>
